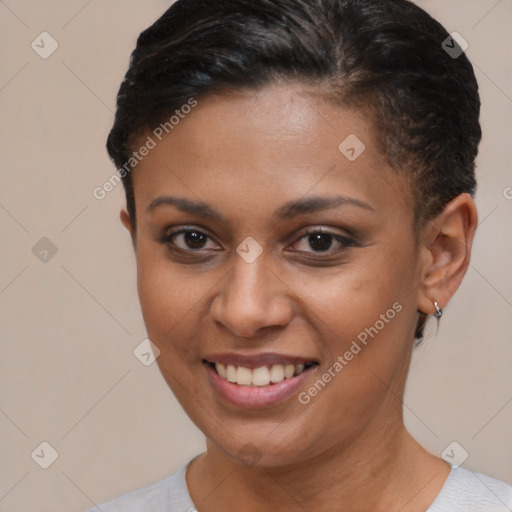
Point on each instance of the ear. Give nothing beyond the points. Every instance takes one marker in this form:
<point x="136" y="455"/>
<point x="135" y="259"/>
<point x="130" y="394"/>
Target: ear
<point x="127" y="223"/>
<point x="446" y="246"/>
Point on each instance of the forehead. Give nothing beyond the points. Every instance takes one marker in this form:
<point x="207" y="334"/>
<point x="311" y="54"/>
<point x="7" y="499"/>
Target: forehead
<point x="272" y="145"/>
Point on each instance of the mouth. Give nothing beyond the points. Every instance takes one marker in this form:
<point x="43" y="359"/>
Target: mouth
<point x="257" y="382"/>
<point x="261" y="376"/>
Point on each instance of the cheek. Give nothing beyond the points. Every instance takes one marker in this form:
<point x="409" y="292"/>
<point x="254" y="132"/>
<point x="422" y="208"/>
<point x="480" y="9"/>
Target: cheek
<point x="353" y="298"/>
<point x="168" y="298"/>
<point x="364" y="327"/>
<point x="363" y="315"/>
<point x="171" y="302"/>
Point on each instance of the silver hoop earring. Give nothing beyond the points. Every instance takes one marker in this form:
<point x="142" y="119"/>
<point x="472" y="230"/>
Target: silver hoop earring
<point x="439" y="312"/>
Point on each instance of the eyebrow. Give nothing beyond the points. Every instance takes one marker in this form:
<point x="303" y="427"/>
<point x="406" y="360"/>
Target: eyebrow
<point x="198" y="208"/>
<point x="317" y="203"/>
<point x="287" y="211"/>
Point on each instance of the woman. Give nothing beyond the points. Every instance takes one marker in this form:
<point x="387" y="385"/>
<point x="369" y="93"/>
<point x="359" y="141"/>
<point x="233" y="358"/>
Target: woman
<point x="299" y="179"/>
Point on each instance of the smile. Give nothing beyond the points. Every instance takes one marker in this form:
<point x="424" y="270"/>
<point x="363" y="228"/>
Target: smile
<point x="257" y="382"/>
<point x="262" y="376"/>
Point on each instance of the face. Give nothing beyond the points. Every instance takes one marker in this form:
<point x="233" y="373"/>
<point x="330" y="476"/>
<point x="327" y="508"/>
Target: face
<point x="277" y="273"/>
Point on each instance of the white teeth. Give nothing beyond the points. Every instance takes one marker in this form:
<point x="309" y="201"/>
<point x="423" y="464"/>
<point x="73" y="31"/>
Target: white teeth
<point x="243" y="376"/>
<point x="261" y="376"/>
<point x="289" y="370"/>
<point x="231" y="373"/>
<point x="221" y="369"/>
<point x="277" y="373"/>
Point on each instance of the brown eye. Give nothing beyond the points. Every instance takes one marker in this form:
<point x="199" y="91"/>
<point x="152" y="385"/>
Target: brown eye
<point x="189" y="240"/>
<point x="322" y="242"/>
<point x="194" y="239"/>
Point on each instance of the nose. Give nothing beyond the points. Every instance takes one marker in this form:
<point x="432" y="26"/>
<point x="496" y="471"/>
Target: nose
<point x="251" y="298"/>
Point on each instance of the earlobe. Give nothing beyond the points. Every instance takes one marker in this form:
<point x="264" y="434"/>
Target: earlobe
<point x="447" y="243"/>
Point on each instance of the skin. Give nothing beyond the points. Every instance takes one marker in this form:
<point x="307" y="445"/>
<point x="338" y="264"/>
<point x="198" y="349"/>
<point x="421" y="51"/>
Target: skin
<point x="246" y="154"/>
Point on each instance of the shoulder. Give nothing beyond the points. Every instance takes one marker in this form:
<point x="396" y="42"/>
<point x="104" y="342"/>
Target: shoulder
<point x="169" y="495"/>
<point x="466" y="491"/>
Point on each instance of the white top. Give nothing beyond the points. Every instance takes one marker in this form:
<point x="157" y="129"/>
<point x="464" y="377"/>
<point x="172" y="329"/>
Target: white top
<point x="463" y="491"/>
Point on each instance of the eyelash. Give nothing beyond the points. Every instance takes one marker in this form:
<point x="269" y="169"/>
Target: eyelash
<point x="344" y="242"/>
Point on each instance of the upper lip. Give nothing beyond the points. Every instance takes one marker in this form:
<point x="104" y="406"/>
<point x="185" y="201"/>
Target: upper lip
<point x="256" y="360"/>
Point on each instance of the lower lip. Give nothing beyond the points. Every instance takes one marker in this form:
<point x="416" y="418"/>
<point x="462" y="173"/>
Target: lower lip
<point x="256" y="397"/>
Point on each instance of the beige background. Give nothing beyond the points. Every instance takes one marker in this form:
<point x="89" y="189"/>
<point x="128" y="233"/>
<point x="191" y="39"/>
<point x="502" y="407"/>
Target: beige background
<point x="69" y="325"/>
